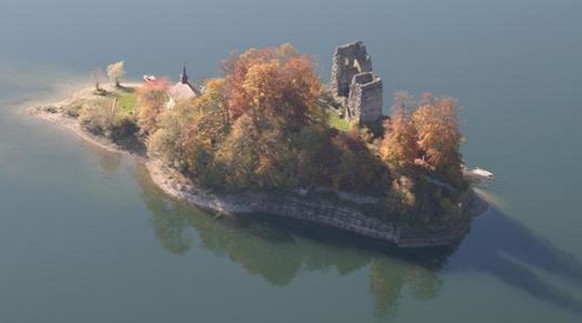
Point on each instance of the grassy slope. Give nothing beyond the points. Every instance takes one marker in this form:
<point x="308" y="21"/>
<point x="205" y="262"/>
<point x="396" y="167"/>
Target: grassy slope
<point x="336" y="122"/>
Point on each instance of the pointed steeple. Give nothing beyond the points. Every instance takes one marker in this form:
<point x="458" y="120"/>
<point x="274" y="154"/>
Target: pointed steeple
<point x="184" y="76"/>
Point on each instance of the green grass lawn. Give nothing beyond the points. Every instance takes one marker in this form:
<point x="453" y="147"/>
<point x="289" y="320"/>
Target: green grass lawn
<point x="334" y="121"/>
<point x="126" y="102"/>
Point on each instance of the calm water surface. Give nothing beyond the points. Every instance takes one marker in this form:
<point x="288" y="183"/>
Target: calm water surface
<point x="86" y="237"/>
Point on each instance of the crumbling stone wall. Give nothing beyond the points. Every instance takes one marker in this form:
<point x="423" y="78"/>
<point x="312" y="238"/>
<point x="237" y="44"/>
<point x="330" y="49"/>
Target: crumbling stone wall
<point x="354" y="84"/>
<point x="348" y="60"/>
<point x="365" y="97"/>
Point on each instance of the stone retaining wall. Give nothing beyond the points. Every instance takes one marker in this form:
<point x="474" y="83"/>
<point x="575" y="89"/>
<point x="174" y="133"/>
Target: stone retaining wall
<point x="332" y="213"/>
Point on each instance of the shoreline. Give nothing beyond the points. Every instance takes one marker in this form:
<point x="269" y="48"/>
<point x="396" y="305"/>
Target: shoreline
<point x="161" y="178"/>
<point x="342" y="213"/>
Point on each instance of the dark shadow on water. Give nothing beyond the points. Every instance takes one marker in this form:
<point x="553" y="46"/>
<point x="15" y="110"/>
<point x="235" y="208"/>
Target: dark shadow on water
<point x="505" y="248"/>
<point x="278" y="250"/>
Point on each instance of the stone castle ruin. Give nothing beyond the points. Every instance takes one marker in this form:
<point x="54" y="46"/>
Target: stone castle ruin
<point x="354" y="83"/>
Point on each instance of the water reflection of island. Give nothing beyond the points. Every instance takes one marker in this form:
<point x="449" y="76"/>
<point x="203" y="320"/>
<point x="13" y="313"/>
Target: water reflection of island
<point x="277" y="250"/>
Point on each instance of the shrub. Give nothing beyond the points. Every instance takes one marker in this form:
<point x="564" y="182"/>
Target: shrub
<point x="123" y="127"/>
<point x="51" y="109"/>
<point x="96" y="118"/>
<point x="73" y="110"/>
<point x="100" y="92"/>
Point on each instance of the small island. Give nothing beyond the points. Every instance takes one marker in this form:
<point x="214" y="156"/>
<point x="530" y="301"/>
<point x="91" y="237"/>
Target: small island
<point x="269" y="137"/>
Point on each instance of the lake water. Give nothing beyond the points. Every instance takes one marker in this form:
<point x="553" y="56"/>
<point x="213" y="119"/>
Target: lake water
<point x="86" y="237"/>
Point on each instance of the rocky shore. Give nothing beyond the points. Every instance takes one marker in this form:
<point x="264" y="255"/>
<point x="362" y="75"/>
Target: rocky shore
<point x="317" y="209"/>
<point x="343" y="211"/>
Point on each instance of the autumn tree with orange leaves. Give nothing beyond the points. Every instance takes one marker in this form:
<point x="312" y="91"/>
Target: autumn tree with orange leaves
<point x="274" y="83"/>
<point x="260" y="128"/>
<point x="152" y="99"/>
<point x="271" y="95"/>
<point x="399" y="148"/>
<point x="439" y="138"/>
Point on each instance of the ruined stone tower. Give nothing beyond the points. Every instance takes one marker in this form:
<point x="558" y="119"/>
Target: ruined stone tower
<point x="365" y="98"/>
<point x="348" y="61"/>
<point x="354" y="84"/>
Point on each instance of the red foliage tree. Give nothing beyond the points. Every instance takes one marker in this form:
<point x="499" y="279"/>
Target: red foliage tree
<point x="277" y="83"/>
<point x="152" y="99"/>
<point x="399" y="148"/>
<point x="439" y="137"/>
